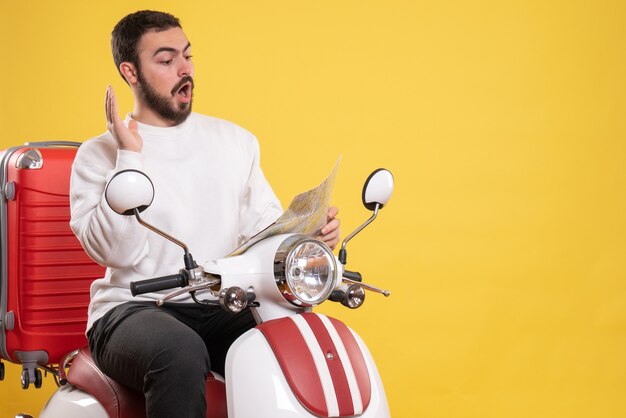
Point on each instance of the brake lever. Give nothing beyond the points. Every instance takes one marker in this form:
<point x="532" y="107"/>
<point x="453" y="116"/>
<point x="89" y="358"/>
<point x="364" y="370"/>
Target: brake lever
<point x="202" y="285"/>
<point x="367" y="286"/>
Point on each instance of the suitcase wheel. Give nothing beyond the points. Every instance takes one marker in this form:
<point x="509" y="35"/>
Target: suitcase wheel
<point x="38" y="378"/>
<point x="26" y="379"/>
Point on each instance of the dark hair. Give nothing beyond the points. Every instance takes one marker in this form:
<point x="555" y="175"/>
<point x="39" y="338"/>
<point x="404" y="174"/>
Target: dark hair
<point x="130" y="29"/>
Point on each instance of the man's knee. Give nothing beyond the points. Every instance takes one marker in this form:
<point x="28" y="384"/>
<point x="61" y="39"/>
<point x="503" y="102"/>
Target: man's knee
<point x="184" y="356"/>
<point x="175" y="379"/>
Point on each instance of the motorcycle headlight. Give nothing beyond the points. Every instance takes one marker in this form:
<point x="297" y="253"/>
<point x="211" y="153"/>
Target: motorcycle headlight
<point x="305" y="270"/>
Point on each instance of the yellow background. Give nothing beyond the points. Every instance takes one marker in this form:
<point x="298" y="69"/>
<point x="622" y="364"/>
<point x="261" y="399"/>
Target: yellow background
<point x="503" y="123"/>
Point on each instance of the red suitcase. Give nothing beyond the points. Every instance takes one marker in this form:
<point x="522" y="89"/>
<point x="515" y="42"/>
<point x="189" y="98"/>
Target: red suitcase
<point x="44" y="273"/>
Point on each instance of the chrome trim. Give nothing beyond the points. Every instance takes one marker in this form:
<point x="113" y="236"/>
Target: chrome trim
<point x="355" y="296"/>
<point x="204" y="285"/>
<point x="156" y="230"/>
<point x="360" y="228"/>
<point x="367" y="286"/>
<point x="30" y="159"/>
<point x="280" y="275"/>
<point x="233" y="299"/>
<point x="63" y="366"/>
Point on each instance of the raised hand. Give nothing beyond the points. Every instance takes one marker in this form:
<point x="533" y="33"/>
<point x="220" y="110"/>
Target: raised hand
<point x="127" y="138"/>
<point x="330" y="232"/>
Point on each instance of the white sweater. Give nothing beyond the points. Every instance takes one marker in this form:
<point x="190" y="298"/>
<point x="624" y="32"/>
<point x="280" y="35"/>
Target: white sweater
<point x="210" y="193"/>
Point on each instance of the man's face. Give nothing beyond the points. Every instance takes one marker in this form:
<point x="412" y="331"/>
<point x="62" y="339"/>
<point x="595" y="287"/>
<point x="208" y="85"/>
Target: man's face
<point x="165" y="73"/>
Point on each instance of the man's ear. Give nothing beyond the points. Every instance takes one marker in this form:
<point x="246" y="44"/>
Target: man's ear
<point x="129" y="71"/>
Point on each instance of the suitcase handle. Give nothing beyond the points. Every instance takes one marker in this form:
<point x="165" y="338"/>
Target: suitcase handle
<point x="53" y="144"/>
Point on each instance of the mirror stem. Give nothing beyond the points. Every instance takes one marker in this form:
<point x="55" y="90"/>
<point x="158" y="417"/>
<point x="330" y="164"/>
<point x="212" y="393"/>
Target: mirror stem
<point x="343" y="254"/>
<point x="190" y="264"/>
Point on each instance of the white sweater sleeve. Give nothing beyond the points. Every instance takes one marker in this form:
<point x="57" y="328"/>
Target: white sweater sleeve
<point x="259" y="207"/>
<point x="112" y="240"/>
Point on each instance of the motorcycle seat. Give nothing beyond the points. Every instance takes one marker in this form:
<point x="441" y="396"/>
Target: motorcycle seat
<point x="122" y="402"/>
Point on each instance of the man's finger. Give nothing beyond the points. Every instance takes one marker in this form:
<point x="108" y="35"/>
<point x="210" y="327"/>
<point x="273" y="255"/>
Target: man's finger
<point x="332" y="212"/>
<point x="107" y="105"/>
<point x="331" y="239"/>
<point x="330" y="226"/>
<point x="114" y="115"/>
<point x="332" y="233"/>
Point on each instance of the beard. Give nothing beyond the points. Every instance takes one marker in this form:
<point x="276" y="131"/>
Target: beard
<point x="164" y="106"/>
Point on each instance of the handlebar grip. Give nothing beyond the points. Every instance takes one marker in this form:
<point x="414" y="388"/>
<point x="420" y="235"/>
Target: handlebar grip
<point x="337" y="295"/>
<point x="353" y="275"/>
<point x="158" y="283"/>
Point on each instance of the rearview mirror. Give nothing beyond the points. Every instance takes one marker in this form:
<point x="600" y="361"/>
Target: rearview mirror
<point x="377" y="189"/>
<point x="129" y="190"/>
<point x="376" y="193"/>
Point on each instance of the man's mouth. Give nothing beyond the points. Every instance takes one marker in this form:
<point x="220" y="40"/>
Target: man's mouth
<point x="184" y="89"/>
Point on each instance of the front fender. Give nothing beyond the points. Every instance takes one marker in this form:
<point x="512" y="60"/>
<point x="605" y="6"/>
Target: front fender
<point x="259" y="382"/>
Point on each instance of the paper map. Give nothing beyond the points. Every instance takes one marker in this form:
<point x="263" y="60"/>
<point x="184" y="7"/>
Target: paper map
<point x="305" y="215"/>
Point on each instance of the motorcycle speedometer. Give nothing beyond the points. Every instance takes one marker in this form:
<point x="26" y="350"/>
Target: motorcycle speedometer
<point x="305" y="270"/>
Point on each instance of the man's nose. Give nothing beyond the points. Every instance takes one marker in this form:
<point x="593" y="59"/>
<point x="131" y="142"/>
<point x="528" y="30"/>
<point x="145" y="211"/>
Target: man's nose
<point x="186" y="68"/>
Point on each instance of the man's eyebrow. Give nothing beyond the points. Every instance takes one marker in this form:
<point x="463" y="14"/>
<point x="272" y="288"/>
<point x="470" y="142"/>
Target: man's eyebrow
<point x="170" y="49"/>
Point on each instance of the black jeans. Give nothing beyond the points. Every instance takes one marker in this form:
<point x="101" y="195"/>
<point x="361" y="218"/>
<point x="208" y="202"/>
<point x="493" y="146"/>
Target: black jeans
<point x="166" y="352"/>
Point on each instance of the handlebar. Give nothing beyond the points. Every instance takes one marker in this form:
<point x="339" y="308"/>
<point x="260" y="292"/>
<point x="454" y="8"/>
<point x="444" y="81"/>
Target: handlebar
<point x="353" y="275"/>
<point x="158" y="283"/>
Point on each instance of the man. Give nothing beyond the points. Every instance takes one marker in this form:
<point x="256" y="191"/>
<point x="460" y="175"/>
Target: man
<point x="210" y="192"/>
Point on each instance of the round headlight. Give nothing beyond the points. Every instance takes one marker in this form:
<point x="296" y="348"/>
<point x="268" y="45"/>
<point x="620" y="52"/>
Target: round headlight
<point x="305" y="270"/>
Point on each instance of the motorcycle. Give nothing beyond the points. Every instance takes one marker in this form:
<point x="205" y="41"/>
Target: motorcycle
<point x="294" y="363"/>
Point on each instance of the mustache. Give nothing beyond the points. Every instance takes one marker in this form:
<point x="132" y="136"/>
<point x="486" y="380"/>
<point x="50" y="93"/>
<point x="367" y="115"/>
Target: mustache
<point x="181" y="83"/>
